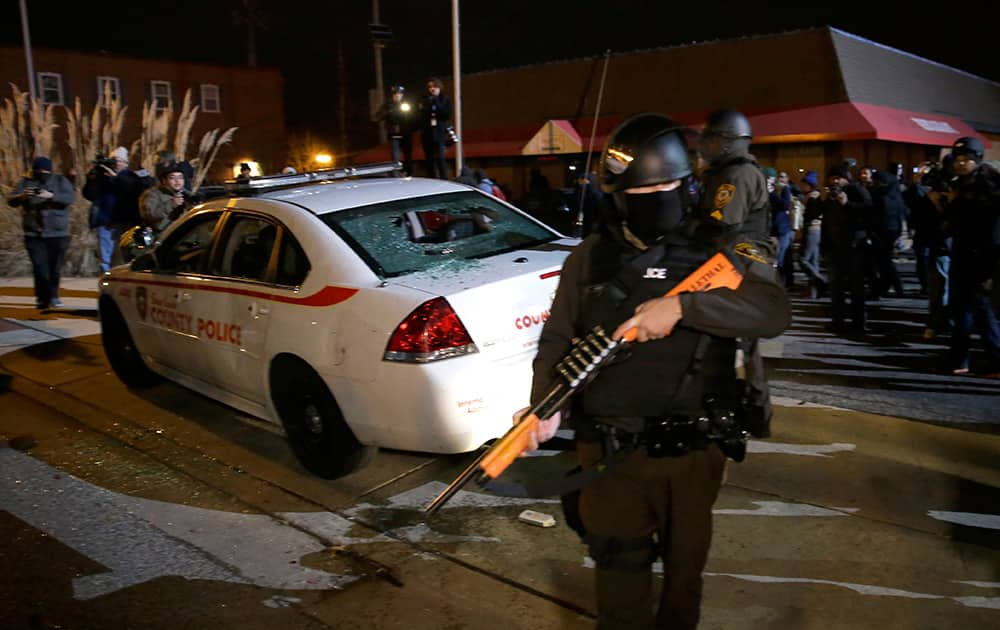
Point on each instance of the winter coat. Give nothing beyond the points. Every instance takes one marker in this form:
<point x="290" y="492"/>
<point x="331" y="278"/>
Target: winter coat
<point x="890" y="209"/>
<point x="116" y="199"/>
<point x="435" y="117"/>
<point x="158" y="209"/>
<point x="47" y="218"/>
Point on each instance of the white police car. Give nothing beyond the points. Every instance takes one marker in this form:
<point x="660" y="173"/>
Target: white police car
<point x="378" y="312"/>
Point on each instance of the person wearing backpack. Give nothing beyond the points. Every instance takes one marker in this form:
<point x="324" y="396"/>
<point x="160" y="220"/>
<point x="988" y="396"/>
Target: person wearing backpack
<point x="488" y="186"/>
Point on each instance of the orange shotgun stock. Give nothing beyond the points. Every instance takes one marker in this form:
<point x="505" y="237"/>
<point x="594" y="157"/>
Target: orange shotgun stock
<point x="578" y="367"/>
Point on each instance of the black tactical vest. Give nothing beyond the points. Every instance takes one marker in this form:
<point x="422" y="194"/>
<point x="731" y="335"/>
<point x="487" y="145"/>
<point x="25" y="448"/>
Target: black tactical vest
<point x="644" y="379"/>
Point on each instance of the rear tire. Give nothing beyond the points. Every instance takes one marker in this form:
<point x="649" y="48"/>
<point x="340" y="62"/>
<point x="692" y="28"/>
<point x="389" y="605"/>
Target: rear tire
<point x="120" y="349"/>
<point x="316" y="429"/>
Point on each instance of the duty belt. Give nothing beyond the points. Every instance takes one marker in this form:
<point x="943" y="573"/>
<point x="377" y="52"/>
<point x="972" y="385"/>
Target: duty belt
<point x="673" y="436"/>
<point x="670" y="436"/>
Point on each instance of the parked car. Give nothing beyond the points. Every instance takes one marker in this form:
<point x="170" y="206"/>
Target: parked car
<point x="379" y="312"/>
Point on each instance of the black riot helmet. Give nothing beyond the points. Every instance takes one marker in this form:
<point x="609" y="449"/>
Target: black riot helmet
<point x="644" y="150"/>
<point x="732" y="130"/>
<point x="397" y="89"/>
<point x="969" y="146"/>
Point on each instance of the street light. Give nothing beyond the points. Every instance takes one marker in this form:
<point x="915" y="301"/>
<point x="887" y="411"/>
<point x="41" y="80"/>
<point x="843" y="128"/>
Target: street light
<point x="323" y="158"/>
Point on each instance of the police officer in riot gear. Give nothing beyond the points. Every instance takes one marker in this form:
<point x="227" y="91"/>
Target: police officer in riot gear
<point x="400" y="116"/>
<point x="734" y="191"/>
<point x="657" y="410"/>
<point x="734" y="199"/>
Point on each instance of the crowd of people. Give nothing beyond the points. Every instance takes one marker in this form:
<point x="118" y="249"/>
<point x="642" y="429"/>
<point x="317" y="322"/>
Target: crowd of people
<point x="851" y="230"/>
<point x="122" y="195"/>
<point x="843" y="233"/>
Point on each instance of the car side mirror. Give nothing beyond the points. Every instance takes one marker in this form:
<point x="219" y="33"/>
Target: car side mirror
<point x="144" y="262"/>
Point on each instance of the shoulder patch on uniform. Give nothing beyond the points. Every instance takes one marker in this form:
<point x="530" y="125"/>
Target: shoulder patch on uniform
<point x="723" y="195"/>
<point x="749" y="250"/>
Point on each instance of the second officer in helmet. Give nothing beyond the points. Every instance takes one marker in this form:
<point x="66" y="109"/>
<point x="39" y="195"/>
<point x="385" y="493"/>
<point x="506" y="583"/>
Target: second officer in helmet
<point x="734" y="190"/>
<point x="651" y="405"/>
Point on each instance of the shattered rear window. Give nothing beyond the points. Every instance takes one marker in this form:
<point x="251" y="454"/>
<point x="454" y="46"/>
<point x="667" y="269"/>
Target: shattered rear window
<point x="422" y="233"/>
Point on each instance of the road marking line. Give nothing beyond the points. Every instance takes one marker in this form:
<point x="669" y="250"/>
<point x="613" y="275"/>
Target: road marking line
<point x="806" y="450"/>
<point x="972" y="519"/>
<point x="866" y="589"/>
<point x="141" y="539"/>
<point x="782" y="508"/>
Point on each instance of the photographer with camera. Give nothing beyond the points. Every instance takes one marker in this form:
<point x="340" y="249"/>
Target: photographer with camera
<point x="44" y="198"/>
<point x="114" y="191"/>
<point x="847" y="247"/>
<point x="661" y="412"/>
<point x="161" y="205"/>
<point x="435" y="122"/>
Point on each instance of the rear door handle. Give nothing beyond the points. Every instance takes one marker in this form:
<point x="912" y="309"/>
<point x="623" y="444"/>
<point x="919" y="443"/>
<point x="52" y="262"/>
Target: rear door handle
<point x="256" y="310"/>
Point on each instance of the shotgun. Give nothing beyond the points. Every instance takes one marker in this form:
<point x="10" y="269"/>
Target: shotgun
<point x="580" y="365"/>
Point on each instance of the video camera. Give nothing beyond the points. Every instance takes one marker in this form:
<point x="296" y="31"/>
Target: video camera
<point x="936" y="177"/>
<point x="102" y="160"/>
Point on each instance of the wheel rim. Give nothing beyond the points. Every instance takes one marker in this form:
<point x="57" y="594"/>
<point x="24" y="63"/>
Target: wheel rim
<point x="121" y="342"/>
<point x="312" y="418"/>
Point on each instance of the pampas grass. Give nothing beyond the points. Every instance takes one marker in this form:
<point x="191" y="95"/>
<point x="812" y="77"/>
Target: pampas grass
<point x="26" y="131"/>
<point x="208" y="148"/>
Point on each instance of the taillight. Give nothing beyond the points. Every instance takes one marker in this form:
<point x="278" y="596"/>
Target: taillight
<point x="431" y="332"/>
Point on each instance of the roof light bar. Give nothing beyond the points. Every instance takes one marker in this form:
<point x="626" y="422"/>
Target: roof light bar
<point x="272" y="182"/>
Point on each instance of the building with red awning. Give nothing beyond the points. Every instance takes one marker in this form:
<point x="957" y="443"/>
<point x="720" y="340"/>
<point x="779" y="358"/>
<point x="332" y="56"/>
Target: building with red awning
<point x="814" y="97"/>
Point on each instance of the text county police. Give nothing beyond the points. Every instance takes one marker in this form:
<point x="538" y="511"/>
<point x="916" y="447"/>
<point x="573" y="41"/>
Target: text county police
<point x="207" y="328"/>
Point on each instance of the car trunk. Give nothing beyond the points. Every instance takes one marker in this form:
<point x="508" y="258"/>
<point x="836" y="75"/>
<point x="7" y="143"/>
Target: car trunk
<point x="502" y="301"/>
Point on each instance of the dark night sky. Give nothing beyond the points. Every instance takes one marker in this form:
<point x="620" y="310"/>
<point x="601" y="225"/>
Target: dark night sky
<point x="302" y="38"/>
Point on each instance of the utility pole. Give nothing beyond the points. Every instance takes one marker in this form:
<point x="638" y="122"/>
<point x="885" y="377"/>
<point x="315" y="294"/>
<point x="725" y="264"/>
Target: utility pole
<point x="342" y="83"/>
<point x="252" y="24"/>
<point x="578" y="224"/>
<point x="27" y="51"/>
<point x="377" y="44"/>
<point x="457" y="71"/>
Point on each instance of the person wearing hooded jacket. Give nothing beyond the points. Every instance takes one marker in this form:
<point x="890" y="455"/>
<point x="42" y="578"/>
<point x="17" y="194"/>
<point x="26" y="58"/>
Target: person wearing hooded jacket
<point x="972" y="219"/>
<point x="44" y="197"/>
<point x="890" y="215"/>
<point x="656" y="501"/>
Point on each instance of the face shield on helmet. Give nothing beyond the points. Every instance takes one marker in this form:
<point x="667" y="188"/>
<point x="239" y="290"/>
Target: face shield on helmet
<point x="644" y="150"/>
<point x="647" y="151"/>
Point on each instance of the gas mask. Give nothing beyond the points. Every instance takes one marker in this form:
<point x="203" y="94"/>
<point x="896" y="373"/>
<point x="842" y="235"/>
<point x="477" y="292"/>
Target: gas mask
<point x="651" y="215"/>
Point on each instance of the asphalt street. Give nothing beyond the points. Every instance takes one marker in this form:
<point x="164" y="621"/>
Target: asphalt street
<point x="892" y="370"/>
<point x="163" y="509"/>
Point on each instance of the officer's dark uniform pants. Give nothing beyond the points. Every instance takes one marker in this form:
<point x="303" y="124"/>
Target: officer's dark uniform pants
<point x="669" y="496"/>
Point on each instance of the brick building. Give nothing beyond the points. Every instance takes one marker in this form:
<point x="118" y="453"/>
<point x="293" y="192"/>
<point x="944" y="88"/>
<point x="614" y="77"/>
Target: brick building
<point x="813" y="96"/>
<point x="229" y="96"/>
